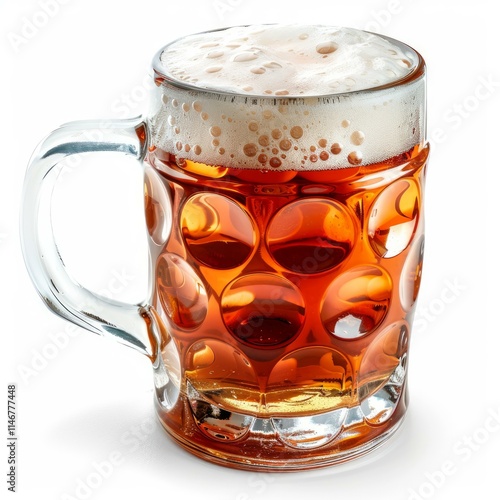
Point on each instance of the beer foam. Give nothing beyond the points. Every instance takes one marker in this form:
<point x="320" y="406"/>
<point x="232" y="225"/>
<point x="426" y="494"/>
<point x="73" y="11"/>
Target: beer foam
<point x="288" y="97"/>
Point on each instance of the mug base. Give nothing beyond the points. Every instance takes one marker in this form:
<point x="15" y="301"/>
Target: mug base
<point x="283" y="445"/>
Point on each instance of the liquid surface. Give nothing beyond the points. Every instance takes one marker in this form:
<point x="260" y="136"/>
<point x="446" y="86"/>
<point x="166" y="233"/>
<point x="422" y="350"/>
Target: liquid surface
<point x="286" y="60"/>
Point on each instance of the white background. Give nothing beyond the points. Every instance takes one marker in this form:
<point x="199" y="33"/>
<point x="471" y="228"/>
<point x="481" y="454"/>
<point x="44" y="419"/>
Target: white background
<point x="83" y="400"/>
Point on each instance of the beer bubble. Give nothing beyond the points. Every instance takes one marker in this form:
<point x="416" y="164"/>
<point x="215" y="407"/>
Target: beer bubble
<point x="357" y="138"/>
<point x="262" y="158"/>
<point x="165" y="99"/>
<point x="304" y="36"/>
<point x="296" y="132"/>
<point x="253" y="126"/>
<point x="215" y="54"/>
<point x="204" y="116"/>
<point x="324" y="155"/>
<point x="355" y="158"/>
<point x="264" y="140"/>
<point x="336" y="148"/>
<point x="185" y="107"/>
<point x="322" y="143"/>
<point x="197" y="150"/>
<point x="197" y="106"/>
<point x="213" y="69"/>
<point x="245" y="57"/>
<point x="171" y="120"/>
<point x="285" y="145"/>
<point x="250" y="149"/>
<point x="272" y="65"/>
<point x="275" y="162"/>
<point x="187" y="148"/>
<point x="215" y="142"/>
<point x="267" y="114"/>
<point x="215" y="131"/>
<point x="276" y="133"/>
<point x="313" y="158"/>
<point x="326" y="47"/>
<point x="345" y="123"/>
<point x="281" y="92"/>
<point x="258" y="70"/>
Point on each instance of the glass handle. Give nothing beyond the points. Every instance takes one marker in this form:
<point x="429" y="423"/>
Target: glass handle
<point x="132" y="325"/>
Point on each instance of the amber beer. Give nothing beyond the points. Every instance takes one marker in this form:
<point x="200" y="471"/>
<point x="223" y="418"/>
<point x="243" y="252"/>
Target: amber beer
<point x="286" y="232"/>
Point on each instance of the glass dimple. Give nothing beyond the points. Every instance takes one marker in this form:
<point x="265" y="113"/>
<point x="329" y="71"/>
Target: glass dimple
<point x="181" y="291"/>
<point x="311" y="236"/>
<point x="157" y="207"/>
<point x="356" y="302"/>
<point x="215" y="422"/>
<point x="262" y="309"/>
<point x="310" y="380"/>
<point x="382" y="357"/>
<point x="223" y="375"/>
<point x="304" y="433"/>
<point x="217" y="232"/>
<point x="393" y="218"/>
<point x="411" y="275"/>
<point x="378" y="407"/>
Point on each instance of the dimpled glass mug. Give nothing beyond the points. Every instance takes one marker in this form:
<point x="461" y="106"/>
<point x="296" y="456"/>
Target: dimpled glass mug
<point x="283" y="188"/>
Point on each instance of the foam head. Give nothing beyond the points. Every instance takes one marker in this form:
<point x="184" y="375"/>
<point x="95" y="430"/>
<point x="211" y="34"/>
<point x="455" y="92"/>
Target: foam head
<point x="289" y="97"/>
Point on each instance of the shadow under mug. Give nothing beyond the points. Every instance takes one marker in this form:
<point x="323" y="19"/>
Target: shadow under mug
<point x="281" y="301"/>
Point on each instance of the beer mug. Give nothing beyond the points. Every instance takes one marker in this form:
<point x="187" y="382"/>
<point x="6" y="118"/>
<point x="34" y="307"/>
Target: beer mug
<point x="283" y="193"/>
